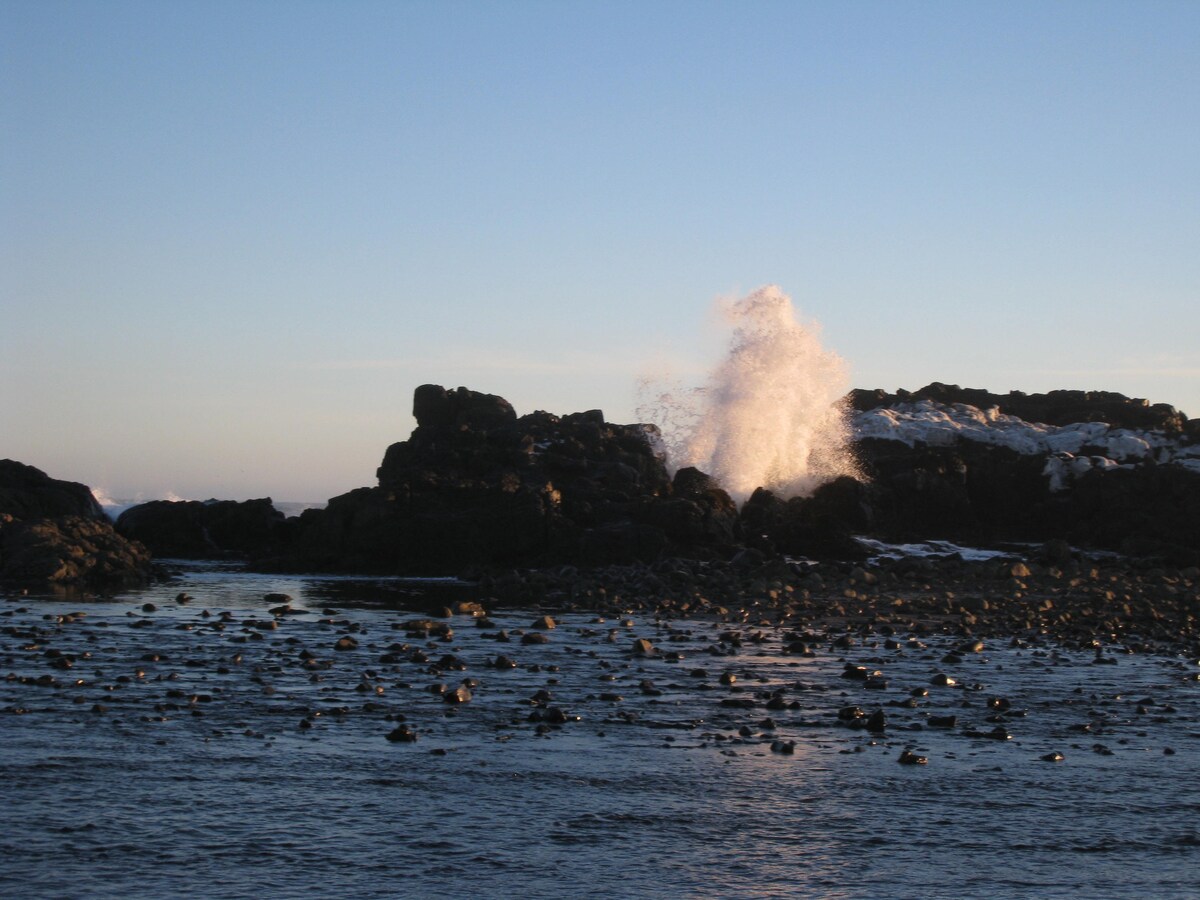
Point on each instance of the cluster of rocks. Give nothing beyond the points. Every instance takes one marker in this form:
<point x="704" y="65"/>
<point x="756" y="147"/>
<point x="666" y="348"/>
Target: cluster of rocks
<point x="477" y="486"/>
<point x="949" y="484"/>
<point x="55" y="533"/>
<point x="477" y="489"/>
<point x="1054" y="592"/>
<point x="1053" y="408"/>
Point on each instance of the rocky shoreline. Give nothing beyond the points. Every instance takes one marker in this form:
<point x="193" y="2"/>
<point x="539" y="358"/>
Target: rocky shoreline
<point x="1055" y="596"/>
<point x="1100" y="504"/>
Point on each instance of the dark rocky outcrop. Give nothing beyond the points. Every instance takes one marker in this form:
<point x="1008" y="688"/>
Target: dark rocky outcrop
<point x="213" y="529"/>
<point x="54" y="533"/>
<point x="476" y="485"/>
<point x="29" y="493"/>
<point x="477" y="489"/>
<point x="971" y="492"/>
<point x="1053" y="408"/>
<point x="1146" y="512"/>
<point x="817" y="527"/>
<point x="697" y="513"/>
<point x="70" y="551"/>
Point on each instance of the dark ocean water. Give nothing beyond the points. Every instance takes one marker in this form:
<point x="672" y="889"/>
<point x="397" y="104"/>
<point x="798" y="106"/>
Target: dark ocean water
<point x="197" y="778"/>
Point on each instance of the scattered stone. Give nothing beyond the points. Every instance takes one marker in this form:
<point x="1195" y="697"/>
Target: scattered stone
<point x="402" y="734"/>
<point x="458" y="695"/>
<point x="643" y="647"/>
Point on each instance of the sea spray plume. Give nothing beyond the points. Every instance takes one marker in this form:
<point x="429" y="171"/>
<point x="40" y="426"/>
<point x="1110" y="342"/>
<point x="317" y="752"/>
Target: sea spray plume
<point x="774" y="413"/>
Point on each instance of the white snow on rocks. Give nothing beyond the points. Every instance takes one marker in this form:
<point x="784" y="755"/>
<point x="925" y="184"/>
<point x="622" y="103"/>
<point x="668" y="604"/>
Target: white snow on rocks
<point x="940" y="425"/>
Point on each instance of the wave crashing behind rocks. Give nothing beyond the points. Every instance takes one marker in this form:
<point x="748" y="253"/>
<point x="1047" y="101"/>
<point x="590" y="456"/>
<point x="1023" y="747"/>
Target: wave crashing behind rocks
<point x="774" y="413"/>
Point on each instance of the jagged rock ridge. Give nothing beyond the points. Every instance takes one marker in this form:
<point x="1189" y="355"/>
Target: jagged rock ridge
<point x="477" y="485"/>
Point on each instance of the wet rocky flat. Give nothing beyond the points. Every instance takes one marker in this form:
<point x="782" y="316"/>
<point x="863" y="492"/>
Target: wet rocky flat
<point x="188" y="689"/>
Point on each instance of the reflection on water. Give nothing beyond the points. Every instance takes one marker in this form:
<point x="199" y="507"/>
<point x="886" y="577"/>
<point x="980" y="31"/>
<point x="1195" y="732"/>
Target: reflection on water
<point x="242" y="752"/>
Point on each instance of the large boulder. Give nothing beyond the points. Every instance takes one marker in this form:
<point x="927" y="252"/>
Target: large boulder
<point x="70" y="551"/>
<point x="212" y="529"/>
<point x="436" y="407"/>
<point x="697" y="515"/>
<point x="29" y="493"/>
<point x="818" y="527"/>
<point x="54" y="533"/>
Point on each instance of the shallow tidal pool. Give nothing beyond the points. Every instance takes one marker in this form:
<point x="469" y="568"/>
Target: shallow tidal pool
<point x="150" y="750"/>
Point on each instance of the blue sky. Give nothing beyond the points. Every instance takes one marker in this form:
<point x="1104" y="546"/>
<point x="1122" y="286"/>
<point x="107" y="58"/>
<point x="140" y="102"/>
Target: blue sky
<point x="235" y="236"/>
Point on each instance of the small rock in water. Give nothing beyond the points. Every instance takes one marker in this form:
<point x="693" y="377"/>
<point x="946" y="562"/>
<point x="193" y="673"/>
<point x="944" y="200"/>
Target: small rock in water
<point x="1053" y="757"/>
<point x="458" y="695"/>
<point x="908" y="758"/>
<point x="402" y="734"/>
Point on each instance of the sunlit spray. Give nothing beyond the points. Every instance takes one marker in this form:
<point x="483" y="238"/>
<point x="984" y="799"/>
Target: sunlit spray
<point x="774" y="413"/>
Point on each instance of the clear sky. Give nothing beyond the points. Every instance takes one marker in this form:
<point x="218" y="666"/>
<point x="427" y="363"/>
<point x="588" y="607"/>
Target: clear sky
<point x="235" y="236"/>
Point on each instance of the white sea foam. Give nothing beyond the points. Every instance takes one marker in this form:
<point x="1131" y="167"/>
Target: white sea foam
<point x="114" y="506"/>
<point x="773" y="413"/>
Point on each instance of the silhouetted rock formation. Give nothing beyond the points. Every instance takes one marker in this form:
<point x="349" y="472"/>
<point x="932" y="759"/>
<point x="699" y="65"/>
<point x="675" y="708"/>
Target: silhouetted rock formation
<point x="1054" y="408"/>
<point x="952" y="471"/>
<point x="29" y="493"/>
<point x="477" y="486"/>
<point x="191" y="529"/>
<point x="55" y="533"/>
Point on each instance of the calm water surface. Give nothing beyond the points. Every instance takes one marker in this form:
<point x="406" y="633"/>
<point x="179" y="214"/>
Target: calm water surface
<point x="253" y="761"/>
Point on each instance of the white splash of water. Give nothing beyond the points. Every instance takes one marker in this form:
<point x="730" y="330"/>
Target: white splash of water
<point x="773" y="414"/>
<point x="114" y="506"/>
